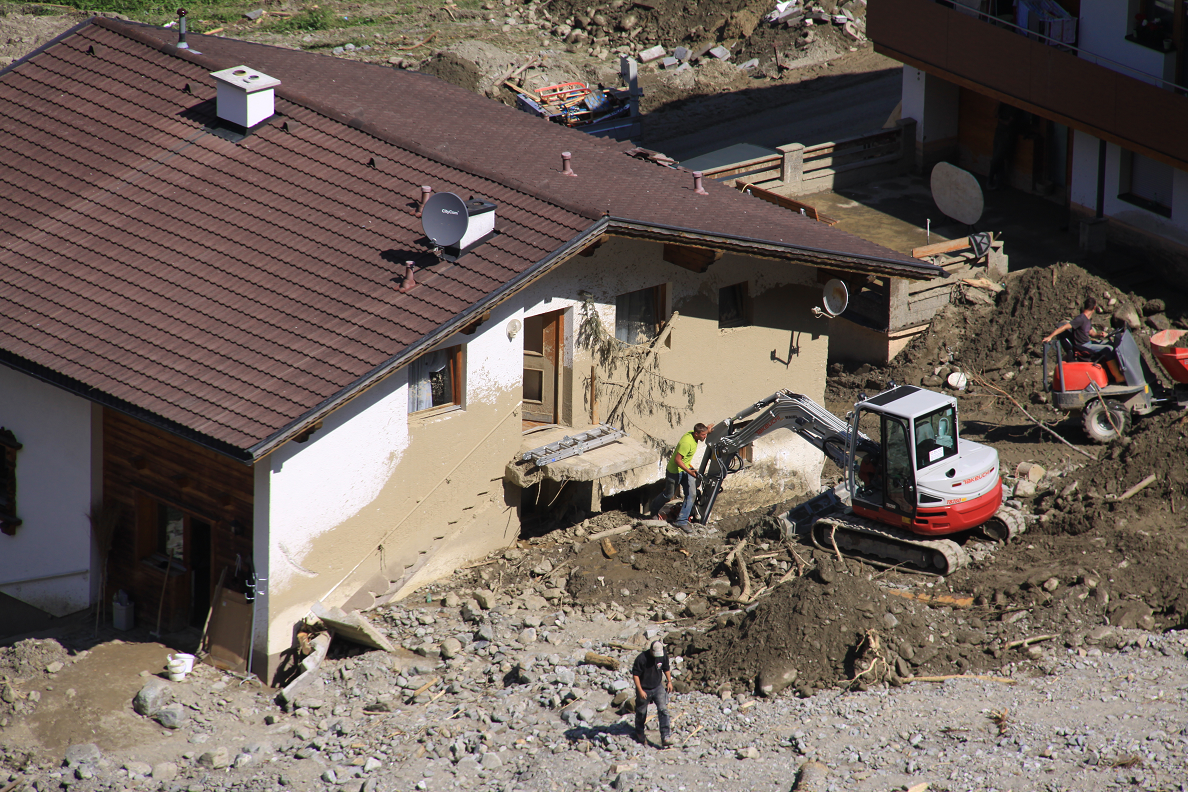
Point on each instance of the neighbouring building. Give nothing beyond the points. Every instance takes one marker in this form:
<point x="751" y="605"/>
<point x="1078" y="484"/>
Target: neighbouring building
<point x="1083" y="100"/>
<point x="228" y="337"/>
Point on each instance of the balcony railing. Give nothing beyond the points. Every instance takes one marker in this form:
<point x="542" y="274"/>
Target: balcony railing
<point x="1033" y="75"/>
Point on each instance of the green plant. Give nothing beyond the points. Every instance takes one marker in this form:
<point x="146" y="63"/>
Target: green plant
<point x="312" y="18"/>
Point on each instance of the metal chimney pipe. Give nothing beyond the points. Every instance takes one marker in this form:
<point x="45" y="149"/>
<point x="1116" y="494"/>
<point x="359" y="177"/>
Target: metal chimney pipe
<point x="566" y="169"/>
<point x="409" y="281"/>
<point x="426" y="191"/>
<point x="697" y="188"/>
<point x="181" y="29"/>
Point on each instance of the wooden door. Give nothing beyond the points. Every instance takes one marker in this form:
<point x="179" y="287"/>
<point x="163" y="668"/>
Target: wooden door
<point x="542" y="345"/>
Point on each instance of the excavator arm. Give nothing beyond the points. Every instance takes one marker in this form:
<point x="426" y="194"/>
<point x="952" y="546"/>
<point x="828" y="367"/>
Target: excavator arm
<point x="781" y="410"/>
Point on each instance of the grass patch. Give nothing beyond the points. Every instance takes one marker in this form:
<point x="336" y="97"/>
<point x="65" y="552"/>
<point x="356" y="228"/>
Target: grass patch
<point x="312" y="18"/>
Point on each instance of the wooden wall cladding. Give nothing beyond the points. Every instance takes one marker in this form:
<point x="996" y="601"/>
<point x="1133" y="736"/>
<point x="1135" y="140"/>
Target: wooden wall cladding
<point x="143" y="465"/>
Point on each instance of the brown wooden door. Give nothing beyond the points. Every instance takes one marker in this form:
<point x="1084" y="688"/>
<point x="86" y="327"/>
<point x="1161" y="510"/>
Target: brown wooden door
<point x="542" y="345"/>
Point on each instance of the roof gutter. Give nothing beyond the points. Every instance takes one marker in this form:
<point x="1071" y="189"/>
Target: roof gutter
<point x="856" y="262"/>
<point x="550" y="262"/>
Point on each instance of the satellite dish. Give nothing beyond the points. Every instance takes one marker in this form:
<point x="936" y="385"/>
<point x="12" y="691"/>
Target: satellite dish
<point x="957" y="193"/>
<point x="836" y="297"/>
<point x="445" y="219"/>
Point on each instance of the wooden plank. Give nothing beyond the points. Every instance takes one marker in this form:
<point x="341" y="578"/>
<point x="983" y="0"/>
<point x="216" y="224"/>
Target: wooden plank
<point x="823" y="172"/>
<point x="771" y="162"/>
<point x="850" y="157"/>
<point x="784" y="202"/>
<point x="936" y="248"/>
<point x="889" y="136"/>
<point x="694" y="259"/>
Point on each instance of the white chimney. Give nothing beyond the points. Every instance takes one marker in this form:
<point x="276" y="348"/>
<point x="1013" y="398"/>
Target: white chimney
<point x="245" y="95"/>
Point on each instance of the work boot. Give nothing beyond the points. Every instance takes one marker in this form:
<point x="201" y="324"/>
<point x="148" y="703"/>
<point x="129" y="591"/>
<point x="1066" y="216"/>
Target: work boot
<point x="667" y="742"/>
<point x="640" y="738"/>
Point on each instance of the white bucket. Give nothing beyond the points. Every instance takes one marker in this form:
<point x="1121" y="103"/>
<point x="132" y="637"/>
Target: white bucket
<point x="176" y="676"/>
<point x="186" y="661"/>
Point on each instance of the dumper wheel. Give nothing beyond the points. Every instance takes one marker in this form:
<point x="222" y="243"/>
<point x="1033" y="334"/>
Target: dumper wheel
<point x="1098" y="424"/>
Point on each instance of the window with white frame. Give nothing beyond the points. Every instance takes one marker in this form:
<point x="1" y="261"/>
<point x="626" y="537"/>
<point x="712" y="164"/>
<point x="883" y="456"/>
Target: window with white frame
<point x="435" y="380"/>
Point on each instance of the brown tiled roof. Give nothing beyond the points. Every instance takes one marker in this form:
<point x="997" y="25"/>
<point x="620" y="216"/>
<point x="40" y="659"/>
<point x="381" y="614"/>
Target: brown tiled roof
<point x="235" y="291"/>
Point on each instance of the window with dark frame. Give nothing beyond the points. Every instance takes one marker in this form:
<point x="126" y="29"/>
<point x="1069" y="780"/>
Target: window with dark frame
<point x="1145" y="183"/>
<point x="435" y="380"/>
<point x="8" y="454"/>
<point x="733" y="306"/>
<point x="639" y="315"/>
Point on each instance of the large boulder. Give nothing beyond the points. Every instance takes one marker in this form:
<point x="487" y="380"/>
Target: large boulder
<point x="155" y="694"/>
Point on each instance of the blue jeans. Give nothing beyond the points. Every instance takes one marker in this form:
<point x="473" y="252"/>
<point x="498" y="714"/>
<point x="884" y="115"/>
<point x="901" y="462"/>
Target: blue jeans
<point x="1094" y="347"/>
<point x="671" y="481"/>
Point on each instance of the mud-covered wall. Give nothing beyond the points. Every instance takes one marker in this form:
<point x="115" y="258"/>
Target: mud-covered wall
<point x="378" y="498"/>
<point x="48" y="562"/>
<point x="783" y="346"/>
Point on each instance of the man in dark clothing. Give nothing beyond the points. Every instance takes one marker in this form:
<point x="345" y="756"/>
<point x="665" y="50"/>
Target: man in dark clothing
<point x="653" y="683"/>
<point x="1082" y="329"/>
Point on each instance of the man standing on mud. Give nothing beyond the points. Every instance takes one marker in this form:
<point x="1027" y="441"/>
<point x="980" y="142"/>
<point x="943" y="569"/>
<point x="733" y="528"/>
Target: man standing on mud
<point x="653" y="683"/>
<point x="680" y="472"/>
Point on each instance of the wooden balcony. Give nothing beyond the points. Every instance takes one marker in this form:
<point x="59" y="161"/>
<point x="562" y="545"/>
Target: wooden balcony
<point x="1033" y="76"/>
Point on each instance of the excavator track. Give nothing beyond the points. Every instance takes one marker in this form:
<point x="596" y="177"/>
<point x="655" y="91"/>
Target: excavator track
<point x="1005" y="525"/>
<point x="884" y="546"/>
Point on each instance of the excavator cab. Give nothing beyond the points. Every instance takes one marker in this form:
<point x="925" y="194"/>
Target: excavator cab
<point x="920" y="476"/>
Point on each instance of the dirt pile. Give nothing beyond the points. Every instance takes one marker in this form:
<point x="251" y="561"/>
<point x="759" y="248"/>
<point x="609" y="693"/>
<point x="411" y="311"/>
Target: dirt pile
<point x="30" y="657"/>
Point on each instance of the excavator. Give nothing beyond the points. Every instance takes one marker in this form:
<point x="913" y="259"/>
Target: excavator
<point x="909" y="479"/>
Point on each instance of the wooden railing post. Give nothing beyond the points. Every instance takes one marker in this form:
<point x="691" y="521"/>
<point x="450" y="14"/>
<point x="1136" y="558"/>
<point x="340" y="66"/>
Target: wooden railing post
<point x="907" y="144"/>
<point x="792" y="167"/>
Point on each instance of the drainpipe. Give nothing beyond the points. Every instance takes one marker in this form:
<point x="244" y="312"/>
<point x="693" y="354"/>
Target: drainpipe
<point x="1101" y="165"/>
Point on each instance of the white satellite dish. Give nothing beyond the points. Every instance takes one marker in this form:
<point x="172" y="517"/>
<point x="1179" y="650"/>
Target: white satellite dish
<point x="957" y="193"/>
<point x="836" y="297"/>
<point x="455" y="225"/>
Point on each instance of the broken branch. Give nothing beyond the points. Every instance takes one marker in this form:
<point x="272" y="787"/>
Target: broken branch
<point x="978" y="677"/>
<point x="1024" y="642"/>
<point x="1130" y="493"/>
<point x="602" y="661"/>
<point x="1034" y="420"/>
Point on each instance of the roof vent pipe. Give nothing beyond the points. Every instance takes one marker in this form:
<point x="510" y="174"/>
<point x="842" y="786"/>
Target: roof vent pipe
<point x="246" y="96"/>
<point x="409" y="281"/>
<point x="566" y="169"/>
<point x="426" y="191"/>
<point x="697" y="188"/>
<point x="181" y="29"/>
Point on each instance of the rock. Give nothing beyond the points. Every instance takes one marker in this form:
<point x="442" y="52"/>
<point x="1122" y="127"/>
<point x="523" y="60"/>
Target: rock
<point x="1051" y="584"/>
<point x="172" y="716"/>
<point x="1155" y="306"/>
<point x="329" y="776"/>
<point x="485" y="632"/>
<point x="750" y="752"/>
<point x="372" y="764"/>
<point x="624" y="781"/>
<point x="696" y="608"/>
<point x="8" y="694"/>
<point x="83" y="753"/>
<point x="155" y="694"/>
<point x="773" y="679"/>
<point x="720" y="52"/>
<point x="54" y="667"/>
<point x="164" y="771"/>
<point x="527" y="636"/>
<point x="243" y="760"/>
<point x="254" y="15"/>
<point x="216" y="759"/>
<point x="467" y="764"/>
<point x="471" y="612"/>
<point x="491" y="761"/>
<point x="450" y="648"/>
<point x="1133" y="615"/>
<point x="651" y="54"/>
<point x="485" y="598"/>
<point x="1159" y="322"/>
<point x="1025" y="489"/>
<point x="621" y="698"/>
<point x="451" y="600"/>
<point x="681" y="53"/>
<point x="1099" y="634"/>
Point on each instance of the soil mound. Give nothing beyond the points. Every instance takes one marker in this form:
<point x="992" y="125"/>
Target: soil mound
<point x="29" y="657"/>
<point x="814" y="632"/>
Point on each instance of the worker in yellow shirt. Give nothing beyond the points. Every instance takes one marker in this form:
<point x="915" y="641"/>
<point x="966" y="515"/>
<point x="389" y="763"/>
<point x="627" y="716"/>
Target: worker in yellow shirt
<point x="680" y="472"/>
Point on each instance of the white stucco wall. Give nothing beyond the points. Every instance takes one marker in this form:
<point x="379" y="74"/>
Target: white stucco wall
<point x="1084" y="191"/>
<point x="48" y="562"/>
<point x="932" y="102"/>
<point x="305" y="491"/>
<point x="1102" y="39"/>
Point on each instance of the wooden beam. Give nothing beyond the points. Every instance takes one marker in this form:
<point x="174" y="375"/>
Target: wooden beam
<point x="691" y="258"/>
<point x="590" y="249"/>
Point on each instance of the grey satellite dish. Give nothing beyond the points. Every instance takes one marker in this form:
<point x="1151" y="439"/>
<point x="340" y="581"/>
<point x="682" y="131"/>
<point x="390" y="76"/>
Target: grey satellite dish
<point x="836" y="297"/>
<point x="445" y="219"/>
<point x="957" y="193"/>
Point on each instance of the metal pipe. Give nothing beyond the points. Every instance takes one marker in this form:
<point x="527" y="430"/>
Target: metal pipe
<point x="1101" y="166"/>
<point x="181" y="29"/>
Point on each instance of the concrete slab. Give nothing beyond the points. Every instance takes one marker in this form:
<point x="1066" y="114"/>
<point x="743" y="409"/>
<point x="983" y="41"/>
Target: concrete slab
<point x="622" y="455"/>
<point x="352" y="626"/>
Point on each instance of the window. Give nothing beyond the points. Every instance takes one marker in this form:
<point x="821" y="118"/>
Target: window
<point x="435" y="380"/>
<point x="639" y="315"/>
<point x="8" y="451"/>
<point x="1146" y="183"/>
<point x="734" y="306"/>
<point x="1152" y="23"/>
<point x="935" y="437"/>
